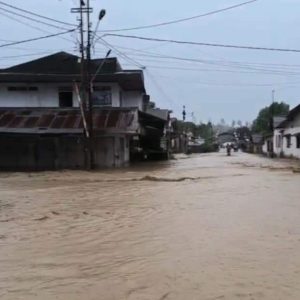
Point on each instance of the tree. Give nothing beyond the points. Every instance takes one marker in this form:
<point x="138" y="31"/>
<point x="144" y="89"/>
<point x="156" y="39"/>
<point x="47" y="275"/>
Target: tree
<point x="263" y="123"/>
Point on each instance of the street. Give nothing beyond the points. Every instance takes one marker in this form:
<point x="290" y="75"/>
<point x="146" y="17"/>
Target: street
<point x="200" y="227"/>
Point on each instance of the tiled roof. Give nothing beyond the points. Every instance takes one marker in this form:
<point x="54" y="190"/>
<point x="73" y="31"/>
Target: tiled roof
<point x="64" y="121"/>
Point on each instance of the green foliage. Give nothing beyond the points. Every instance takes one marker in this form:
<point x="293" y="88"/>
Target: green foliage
<point x="203" y="130"/>
<point x="263" y="122"/>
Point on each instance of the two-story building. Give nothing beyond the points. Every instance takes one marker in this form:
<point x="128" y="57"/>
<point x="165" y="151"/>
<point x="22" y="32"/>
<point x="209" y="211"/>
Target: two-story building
<point x="42" y="123"/>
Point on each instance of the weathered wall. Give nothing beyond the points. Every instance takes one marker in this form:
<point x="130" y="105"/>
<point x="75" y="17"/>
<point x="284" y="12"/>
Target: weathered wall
<point x="133" y="99"/>
<point x="46" y="95"/>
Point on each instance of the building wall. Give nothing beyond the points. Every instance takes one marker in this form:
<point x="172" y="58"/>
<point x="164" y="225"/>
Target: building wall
<point x="278" y="142"/>
<point x="132" y="99"/>
<point x="280" y="139"/>
<point x="292" y="150"/>
<point x="46" y="95"/>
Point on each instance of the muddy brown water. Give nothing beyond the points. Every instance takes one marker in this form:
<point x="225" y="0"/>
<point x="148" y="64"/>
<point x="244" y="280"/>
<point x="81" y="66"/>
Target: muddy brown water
<point x="204" y="227"/>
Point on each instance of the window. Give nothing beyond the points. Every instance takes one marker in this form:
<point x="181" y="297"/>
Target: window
<point x="288" y="141"/>
<point x="102" y="96"/>
<point x="65" y="97"/>
<point x="22" y="88"/>
<point x="298" y="141"/>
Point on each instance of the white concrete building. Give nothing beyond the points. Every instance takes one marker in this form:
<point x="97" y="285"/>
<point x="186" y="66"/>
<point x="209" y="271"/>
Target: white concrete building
<point x="49" y="82"/>
<point x="286" y="140"/>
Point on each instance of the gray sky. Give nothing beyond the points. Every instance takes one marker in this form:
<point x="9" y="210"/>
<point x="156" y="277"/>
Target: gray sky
<point x="216" y="88"/>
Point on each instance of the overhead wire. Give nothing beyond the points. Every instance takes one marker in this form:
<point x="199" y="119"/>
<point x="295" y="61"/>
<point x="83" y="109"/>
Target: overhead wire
<point x="37" y="38"/>
<point x="120" y="53"/>
<point x="181" y="20"/>
<point x="157" y="57"/>
<point x="35" y="14"/>
<point x="32" y="26"/>
<point x="32" y="19"/>
<point x="202" y="44"/>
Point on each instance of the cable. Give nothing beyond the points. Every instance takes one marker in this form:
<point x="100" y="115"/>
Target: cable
<point x="31" y="19"/>
<point x="31" y="26"/>
<point x="181" y="20"/>
<point x="160" y="55"/>
<point x="35" y="14"/>
<point x="218" y="63"/>
<point x="216" y="70"/>
<point x="109" y="46"/>
<point x="202" y="44"/>
<point x="24" y="55"/>
<point x="37" y="38"/>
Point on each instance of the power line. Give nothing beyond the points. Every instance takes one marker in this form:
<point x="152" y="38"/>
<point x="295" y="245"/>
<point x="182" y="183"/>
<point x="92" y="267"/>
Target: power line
<point x="35" y="14"/>
<point x="182" y="20"/>
<point x="202" y="44"/>
<point x="37" y="38"/>
<point x="31" y="19"/>
<point x="243" y="63"/>
<point x="30" y="26"/>
<point x="24" y="55"/>
<point x="126" y="57"/>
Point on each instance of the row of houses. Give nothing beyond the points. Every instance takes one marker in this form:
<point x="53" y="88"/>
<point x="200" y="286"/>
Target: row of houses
<point x="43" y="121"/>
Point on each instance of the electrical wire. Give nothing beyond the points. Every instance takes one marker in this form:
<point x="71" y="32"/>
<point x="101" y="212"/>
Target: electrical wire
<point x="124" y="56"/>
<point x="37" y="38"/>
<point x="181" y="20"/>
<point x="202" y="44"/>
<point x="31" y="26"/>
<point x="161" y="55"/>
<point x="31" y="19"/>
<point x="35" y="14"/>
<point x="24" y="55"/>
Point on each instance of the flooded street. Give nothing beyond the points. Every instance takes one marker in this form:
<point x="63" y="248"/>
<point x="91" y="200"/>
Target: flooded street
<point x="202" y="227"/>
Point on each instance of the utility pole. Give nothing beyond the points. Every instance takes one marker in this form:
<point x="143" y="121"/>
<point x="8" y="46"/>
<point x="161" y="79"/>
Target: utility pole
<point x="89" y="91"/>
<point x="85" y="51"/>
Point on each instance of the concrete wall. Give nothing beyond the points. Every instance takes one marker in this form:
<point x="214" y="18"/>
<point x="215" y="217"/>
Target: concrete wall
<point x="132" y="99"/>
<point x="46" y="95"/>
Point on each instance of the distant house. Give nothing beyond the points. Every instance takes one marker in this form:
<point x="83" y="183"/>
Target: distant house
<point x="268" y="148"/>
<point x="42" y="125"/>
<point x="286" y="140"/>
<point x="257" y="144"/>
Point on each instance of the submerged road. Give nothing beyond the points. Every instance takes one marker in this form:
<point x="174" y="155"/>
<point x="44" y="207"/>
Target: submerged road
<point x="204" y="227"/>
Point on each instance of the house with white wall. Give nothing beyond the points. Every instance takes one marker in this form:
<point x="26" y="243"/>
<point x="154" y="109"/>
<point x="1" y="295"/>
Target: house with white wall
<point x="286" y="140"/>
<point x="39" y="110"/>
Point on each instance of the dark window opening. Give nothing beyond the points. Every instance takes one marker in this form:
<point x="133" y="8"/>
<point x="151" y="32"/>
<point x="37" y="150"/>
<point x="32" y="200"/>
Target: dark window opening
<point x="288" y="141"/>
<point x="65" y="99"/>
<point x="298" y="141"/>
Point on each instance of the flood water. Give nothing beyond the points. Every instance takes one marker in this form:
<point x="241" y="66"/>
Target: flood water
<point x="204" y="227"/>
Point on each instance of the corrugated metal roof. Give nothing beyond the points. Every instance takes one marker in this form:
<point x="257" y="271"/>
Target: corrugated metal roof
<point x="61" y="121"/>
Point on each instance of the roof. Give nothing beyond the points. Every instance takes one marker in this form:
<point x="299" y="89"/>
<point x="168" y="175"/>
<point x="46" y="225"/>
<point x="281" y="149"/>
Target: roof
<point x="65" y="67"/>
<point x="66" y="121"/>
<point x="159" y="113"/>
<point x="290" y="117"/>
<point x="278" y="121"/>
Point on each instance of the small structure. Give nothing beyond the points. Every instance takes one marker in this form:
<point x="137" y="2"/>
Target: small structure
<point x="257" y="144"/>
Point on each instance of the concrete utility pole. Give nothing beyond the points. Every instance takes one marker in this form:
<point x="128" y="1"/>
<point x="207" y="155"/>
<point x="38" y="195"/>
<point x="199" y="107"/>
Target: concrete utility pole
<point x="86" y="78"/>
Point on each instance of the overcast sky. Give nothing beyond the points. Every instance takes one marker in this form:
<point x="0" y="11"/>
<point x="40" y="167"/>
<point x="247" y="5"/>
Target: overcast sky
<point x="230" y="83"/>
